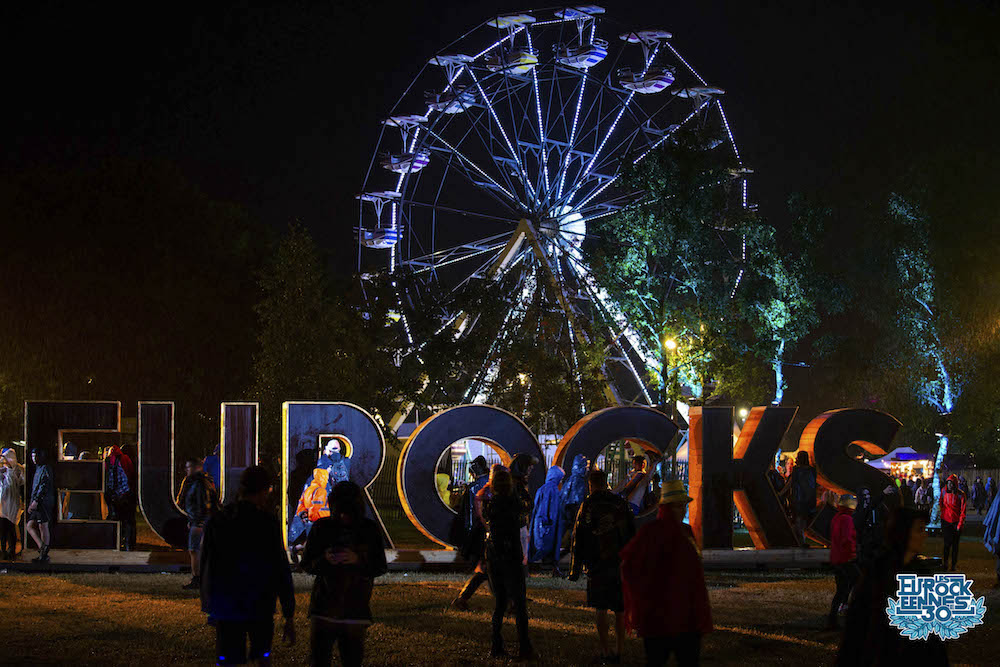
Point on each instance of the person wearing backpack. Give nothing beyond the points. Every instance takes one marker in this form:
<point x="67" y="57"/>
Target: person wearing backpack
<point x="802" y="488"/>
<point x="120" y="493"/>
<point x="199" y="500"/>
<point x="604" y="525"/>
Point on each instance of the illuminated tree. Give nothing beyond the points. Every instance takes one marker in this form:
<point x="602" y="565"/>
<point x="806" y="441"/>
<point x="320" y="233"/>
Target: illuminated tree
<point x="694" y="267"/>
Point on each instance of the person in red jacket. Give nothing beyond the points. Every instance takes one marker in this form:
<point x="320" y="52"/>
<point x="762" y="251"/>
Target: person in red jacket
<point x="952" y="519"/>
<point x="666" y="600"/>
<point x="843" y="551"/>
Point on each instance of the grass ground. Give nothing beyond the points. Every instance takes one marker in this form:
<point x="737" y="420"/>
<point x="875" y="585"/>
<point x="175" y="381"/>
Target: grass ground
<point x="760" y="618"/>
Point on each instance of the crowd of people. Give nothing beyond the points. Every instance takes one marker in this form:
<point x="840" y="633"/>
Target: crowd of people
<point x="649" y="581"/>
<point x="628" y="574"/>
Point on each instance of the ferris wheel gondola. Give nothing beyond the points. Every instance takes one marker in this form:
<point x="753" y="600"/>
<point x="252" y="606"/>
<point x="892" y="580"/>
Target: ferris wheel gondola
<point x="507" y="160"/>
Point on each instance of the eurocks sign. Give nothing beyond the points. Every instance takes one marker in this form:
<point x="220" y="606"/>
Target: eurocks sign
<point x="939" y="604"/>
<point x="324" y="442"/>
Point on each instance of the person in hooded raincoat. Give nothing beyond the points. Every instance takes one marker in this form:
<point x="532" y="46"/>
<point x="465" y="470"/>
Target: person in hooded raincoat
<point x="574" y="491"/>
<point x="991" y="490"/>
<point x="11" y="501"/>
<point x="953" y="508"/>
<point x="663" y="581"/>
<point x="991" y="534"/>
<point x="547" y="520"/>
<point x="335" y="462"/>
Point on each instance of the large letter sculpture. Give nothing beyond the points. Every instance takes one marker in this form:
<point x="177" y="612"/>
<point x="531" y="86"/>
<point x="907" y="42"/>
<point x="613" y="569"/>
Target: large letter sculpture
<point x="305" y="426"/>
<point x="418" y="461"/>
<point x="238" y="449"/>
<point x="156" y="473"/>
<point x="44" y="422"/>
<point x="652" y="429"/>
<point x="720" y="473"/>
<point x="827" y="437"/>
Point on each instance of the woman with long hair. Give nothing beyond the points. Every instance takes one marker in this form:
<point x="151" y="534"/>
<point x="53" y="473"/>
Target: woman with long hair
<point x="504" y="512"/>
<point x="11" y="491"/>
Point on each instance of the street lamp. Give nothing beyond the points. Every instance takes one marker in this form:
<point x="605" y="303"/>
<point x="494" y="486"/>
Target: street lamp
<point x="670" y="344"/>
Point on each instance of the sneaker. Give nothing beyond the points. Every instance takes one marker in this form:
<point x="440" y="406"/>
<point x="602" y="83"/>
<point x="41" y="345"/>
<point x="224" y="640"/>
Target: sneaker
<point x="192" y="585"/>
<point x="460" y="603"/>
<point x="41" y="558"/>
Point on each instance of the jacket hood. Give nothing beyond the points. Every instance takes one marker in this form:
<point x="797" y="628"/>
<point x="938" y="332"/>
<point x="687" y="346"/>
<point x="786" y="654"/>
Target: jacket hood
<point x="520" y="464"/>
<point x="952" y="478"/>
<point x="580" y="465"/>
<point x="555" y="475"/>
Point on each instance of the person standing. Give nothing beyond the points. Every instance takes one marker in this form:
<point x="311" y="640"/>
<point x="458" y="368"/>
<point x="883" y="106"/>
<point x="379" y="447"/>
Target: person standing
<point x="473" y="531"/>
<point x="604" y="525"/>
<point x="666" y="599"/>
<point x="120" y="493"/>
<point x="574" y="491"/>
<point x="953" y="507"/>
<point x="199" y="499"/>
<point x="546" y="520"/>
<point x="991" y="534"/>
<point x="801" y="488"/>
<point x="244" y="571"/>
<point x="505" y="513"/>
<point x="634" y="489"/>
<point x="979" y="496"/>
<point x="345" y="552"/>
<point x="963" y="485"/>
<point x="42" y="504"/>
<point x="843" y="554"/>
<point x="11" y="503"/>
<point x="868" y="639"/>
<point x="923" y="498"/>
<point x="520" y="469"/>
<point x="991" y="491"/>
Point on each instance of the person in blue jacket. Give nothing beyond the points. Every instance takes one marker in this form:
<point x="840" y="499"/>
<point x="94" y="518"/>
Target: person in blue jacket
<point x="547" y="520"/>
<point x="991" y="534"/>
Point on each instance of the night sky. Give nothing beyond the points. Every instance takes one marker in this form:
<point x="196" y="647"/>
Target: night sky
<point x="278" y="109"/>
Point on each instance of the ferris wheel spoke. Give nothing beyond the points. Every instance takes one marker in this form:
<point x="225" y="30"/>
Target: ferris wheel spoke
<point x="496" y="119"/>
<point x="511" y="203"/>
<point x="499" y="162"/>
<point x="543" y="150"/>
<point x="465" y="251"/>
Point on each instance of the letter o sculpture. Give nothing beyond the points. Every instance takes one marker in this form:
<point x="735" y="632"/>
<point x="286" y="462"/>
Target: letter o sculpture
<point x="419" y="458"/>
<point x="591" y="434"/>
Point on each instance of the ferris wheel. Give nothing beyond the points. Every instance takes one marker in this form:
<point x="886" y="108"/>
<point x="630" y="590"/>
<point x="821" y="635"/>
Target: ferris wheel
<point x="507" y="145"/>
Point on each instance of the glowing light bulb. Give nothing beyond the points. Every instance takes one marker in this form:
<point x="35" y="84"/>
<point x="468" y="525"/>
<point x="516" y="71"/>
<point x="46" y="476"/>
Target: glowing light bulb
<point x="670" y="344"/>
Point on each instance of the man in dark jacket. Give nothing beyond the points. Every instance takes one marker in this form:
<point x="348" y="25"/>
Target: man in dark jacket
<point x="346" y="553"/>
<point x="199" y="500"/>
<point x="244" y="571"/>
<point x="604" y="525"/>
<point x="473" y="532"/>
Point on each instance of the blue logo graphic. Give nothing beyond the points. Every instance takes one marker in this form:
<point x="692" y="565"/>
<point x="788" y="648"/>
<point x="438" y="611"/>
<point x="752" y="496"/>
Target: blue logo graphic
<point x="941" y="604"/>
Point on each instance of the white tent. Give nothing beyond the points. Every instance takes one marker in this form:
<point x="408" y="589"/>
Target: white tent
<point x="883" y="463"/>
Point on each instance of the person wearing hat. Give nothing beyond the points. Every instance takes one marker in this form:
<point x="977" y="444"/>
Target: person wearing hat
<point x="843" y="553"/>
<point x="666" y="600"/>
<point x="604" y="525"/>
